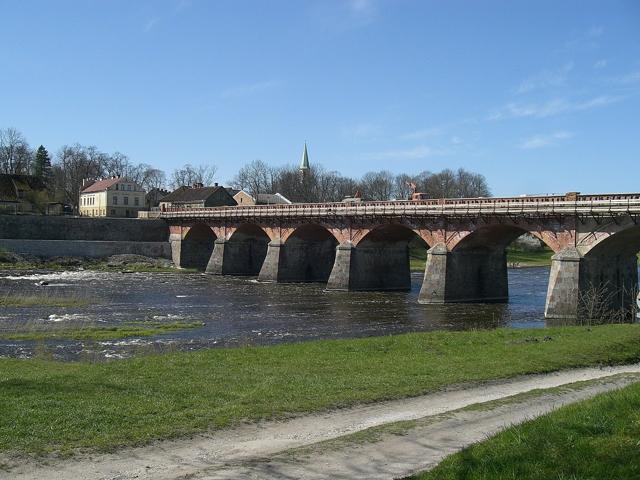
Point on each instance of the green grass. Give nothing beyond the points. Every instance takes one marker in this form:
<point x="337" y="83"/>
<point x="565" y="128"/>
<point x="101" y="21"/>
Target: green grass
<point x="593" y="439"/>
<point x="15" y="300"/>
<point x="518" y="258"/>
<point x="143" y="329"/>
<point x="417" y="259"/>
<point x="54" y="406"/>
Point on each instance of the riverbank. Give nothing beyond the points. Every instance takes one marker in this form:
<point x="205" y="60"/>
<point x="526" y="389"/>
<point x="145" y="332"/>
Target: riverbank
<point x="595" y="438"/>
<point x="377" y="441"/>
<point x="113" y="263"/>
<point x="132" y="402"/>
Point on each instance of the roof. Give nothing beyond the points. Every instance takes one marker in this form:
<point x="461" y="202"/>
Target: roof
<point x="232" y="191"/>
<point x="190" y="194"/>
<point x="102" y="185"/>
<point x="304" y="163"/>
<point x="10" y="185"/>
<point x="270" y="198"/>
<point x="155" y="190"/>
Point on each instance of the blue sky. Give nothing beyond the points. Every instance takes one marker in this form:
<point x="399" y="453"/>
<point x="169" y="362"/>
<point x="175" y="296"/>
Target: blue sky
<point x="538" y="96"/>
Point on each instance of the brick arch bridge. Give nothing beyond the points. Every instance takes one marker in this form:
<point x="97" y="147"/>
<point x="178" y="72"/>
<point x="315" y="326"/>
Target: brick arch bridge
<point x="364" y="246"/>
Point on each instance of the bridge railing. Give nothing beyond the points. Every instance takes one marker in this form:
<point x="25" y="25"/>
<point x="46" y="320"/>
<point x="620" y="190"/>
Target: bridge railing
<point x="597" y="205"/>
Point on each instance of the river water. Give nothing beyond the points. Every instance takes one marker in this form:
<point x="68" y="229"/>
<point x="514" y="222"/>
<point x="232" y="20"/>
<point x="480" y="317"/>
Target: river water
<point x="241" y="311"/>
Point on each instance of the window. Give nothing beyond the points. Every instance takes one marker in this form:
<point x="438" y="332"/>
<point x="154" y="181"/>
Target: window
<point x="113" y="211"/>
<point x="129" y="187"/>
<point x="115" y="200"/>
<point x="126" y="200"/>
<point x="137" y="201"/>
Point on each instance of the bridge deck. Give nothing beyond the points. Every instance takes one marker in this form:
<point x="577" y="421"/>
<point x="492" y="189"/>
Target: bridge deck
<point x="585" y="205"/>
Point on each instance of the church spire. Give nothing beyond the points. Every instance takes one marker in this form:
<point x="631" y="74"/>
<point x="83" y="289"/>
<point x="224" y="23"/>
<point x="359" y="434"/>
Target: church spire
<point x="304" y="163"/>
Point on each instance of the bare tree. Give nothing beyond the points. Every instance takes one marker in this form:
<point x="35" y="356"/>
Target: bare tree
<point x="256" y="177"/>
<point x="402" y="186"/>
<point x="189" y="175"/>
<point x="15" y="154"/>
<point x="74" y="164"/>
<point x="378" y="185"/>
<point x="471" y="184"/>
<point x="152" y="177"/>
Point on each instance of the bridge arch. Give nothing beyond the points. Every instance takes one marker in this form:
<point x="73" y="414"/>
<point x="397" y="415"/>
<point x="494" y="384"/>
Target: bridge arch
<point x="243" y="253"/>
<point x="496" y="236"/>
<point x="609" y="273"/>
<point x="197" y="247"/>
<point x="307" y="254"/>
<point x="380" y="260"/>
<point x="388" y="233"/>
<point x="472" y="267"/>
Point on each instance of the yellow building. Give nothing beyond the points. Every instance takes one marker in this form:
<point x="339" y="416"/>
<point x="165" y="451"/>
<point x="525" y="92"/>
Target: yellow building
<point x="111" y="197"/>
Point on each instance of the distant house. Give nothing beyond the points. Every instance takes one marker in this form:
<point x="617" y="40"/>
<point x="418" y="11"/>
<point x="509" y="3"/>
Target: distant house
<point x="111" y="197"/>
<point x="243" y="198"/>
<point x="198" y="196"/>
<point x="232" y="191"/>
<point x="22" y="194"/>
<point x="153" y="197"/>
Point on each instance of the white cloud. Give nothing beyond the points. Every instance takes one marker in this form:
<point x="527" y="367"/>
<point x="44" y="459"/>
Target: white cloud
<point x="600" y="64"/>
<point x="250" y="89"/>
<point x="550" y="108"/>
<point x="362" y="130"/>
<point x="361" y="7"/>
<point x="150" y="24"/>
<point x="421" y="134"/>
<point x="544" y="140"/>
<point x="585" y="40"/>
<point x="419" y="152"/>
<point x="182" y="5"/>
<point x="595" y="32"/>
<point x="545" y="79"/>
<point x="628" y="79"/>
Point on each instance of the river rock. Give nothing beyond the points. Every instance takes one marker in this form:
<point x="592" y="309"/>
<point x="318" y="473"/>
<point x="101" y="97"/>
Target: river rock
<point x="10" y="257"/>
<point x="67" y="261"/>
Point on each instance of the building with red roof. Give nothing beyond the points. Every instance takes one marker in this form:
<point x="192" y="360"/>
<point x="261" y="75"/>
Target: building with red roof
<point x="111" y="197"/>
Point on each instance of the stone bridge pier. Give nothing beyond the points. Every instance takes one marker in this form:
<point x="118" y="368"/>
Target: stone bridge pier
<point x="379" y="262"/>
<point x="307" y="256"/>
<point x="472" y="276"/>
<point x="243" y="253"/>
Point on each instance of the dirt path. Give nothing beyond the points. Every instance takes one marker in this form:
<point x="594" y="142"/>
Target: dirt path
<point x="274" y="449"/>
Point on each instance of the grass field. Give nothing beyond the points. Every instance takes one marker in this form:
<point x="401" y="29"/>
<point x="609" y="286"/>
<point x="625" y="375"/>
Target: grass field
<point x="53" y="406"/>
<point x="19" y="300"/>
<point x="520" y="258"/>
<point x="134" y="329"/>
<point x="515" y="258"/>
<point x="593" y="439"/>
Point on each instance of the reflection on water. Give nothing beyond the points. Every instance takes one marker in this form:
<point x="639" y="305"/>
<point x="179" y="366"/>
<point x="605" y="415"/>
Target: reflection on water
<point x="241" y="311"/>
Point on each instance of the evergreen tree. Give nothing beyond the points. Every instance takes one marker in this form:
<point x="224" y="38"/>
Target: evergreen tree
<point x="42" y="165"/>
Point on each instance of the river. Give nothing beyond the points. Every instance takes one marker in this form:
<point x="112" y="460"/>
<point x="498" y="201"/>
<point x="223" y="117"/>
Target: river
<point x="241" y="311"/>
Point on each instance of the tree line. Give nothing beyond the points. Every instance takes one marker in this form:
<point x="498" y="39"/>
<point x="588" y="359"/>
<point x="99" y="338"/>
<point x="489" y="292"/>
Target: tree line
<point x="64" y="174"/>
<point x="321" y="185"/>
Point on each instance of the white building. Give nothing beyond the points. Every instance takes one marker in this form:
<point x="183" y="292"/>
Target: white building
<point x="111" y="197"/>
